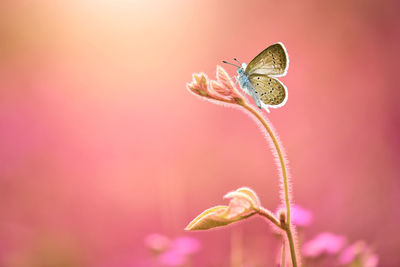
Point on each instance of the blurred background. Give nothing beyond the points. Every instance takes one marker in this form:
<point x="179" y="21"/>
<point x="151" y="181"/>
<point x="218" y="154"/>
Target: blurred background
<point x="101" y="144"/>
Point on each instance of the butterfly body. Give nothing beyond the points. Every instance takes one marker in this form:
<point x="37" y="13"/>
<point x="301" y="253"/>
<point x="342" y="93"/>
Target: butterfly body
<point x="246" y="85"/>
<point x="258" y="79"/>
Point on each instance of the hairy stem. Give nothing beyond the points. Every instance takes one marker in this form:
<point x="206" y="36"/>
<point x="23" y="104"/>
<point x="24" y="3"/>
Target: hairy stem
<point x="278" y="149"/>
<point x="291" y="245"/>
<point x="271" y="217"/>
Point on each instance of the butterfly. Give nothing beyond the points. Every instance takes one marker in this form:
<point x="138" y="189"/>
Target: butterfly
<point x="258" y="79"/>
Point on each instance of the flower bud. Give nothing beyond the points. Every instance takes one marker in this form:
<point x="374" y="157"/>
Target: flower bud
<point x="243" y="203"/>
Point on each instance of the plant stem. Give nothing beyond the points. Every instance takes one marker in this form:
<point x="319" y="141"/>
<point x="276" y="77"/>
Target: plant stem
<point x="283" y="253"/>
<point x="287" y="226"/>
<point x="271" y="217"/>
<point x="291" y="245"/>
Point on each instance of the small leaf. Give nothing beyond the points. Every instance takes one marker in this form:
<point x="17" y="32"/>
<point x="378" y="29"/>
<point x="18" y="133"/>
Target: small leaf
<point x="243" y="204"/>
<point x="208" y="219"/>
<point x="251" y="194"/>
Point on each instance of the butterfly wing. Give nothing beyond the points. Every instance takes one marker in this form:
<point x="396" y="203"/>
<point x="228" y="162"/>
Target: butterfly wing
<point x="269" y="90"/>
<point x="272" y="61"/>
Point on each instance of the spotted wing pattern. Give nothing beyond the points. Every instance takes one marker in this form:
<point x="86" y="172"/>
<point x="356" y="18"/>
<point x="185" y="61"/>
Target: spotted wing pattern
<point x="272" y="61"/>
<point x="269" y="90"/>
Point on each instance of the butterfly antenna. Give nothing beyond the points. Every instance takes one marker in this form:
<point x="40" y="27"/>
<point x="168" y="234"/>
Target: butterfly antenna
<point x="226" y="62"/>
<point x="237" y="61"/>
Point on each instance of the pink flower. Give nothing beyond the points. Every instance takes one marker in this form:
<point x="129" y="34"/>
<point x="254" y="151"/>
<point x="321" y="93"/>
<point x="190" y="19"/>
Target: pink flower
<point x="222" y="90"/>
<point x="323" y="243"/>
<point x="350" y="253"/>
<point x="157" y="242"/>
<point x="301" y="216"/>
<point x="172" y="252"/>
<point x="359" y="252"/>
<point x="172" y="258"/>
<point x="224" y="86"/>
<point x="185" y="245"/>
<point x="180" y="249"/>
<point x="372" y="260"/>
<point x="199" y="85"/>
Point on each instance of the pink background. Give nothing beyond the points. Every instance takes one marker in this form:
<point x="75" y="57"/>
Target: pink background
<point x="101" y="144"/>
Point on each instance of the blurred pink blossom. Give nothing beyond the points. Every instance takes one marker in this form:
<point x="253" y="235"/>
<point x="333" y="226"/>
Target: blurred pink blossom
<point x="185" y="245"/>
<point x="323" y="243"/>
<point x="172" y="252"/>
<point x="372" y="260"/>
<point x="301" y="216"/>
<point x="157" y="242"/>
<point x="359" y="251"/>
<point x="172" y="258"/>
<point x="350" y="253"/>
